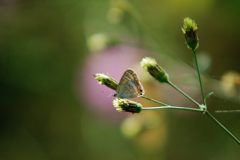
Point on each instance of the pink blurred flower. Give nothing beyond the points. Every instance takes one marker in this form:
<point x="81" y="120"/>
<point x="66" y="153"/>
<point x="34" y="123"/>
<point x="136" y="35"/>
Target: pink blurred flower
<point x="113" y="61"/>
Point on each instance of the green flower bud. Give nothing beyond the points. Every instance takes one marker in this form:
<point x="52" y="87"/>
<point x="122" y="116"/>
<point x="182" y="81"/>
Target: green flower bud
<point x="150" y="65"/>
<point x="189" y="30"/>
<point x="106" y="80"/>
<point x="127" y="105"/>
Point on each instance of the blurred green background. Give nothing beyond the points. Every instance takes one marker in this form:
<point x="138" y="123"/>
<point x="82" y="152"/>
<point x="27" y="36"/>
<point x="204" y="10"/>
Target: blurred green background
<point x="48" y="48"/>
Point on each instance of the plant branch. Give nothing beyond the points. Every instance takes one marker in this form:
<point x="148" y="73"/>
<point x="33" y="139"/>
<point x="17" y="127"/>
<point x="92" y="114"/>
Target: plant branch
<point x="173" y="107"/>
<point x="227" y="111"/>
<point x="183" y="93"/>
<point x="223" y="127"/>
<point x="199" y="76"/>
<point x="153" y="100"/>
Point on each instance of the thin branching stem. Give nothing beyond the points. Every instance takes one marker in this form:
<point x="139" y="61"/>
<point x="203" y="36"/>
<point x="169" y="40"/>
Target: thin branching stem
<point x="173" y="107"/>
<point x="223" y="127"/>
<point x="203" y="100"/>
<point x="227" y="111"/>
<point x="199" y="76"/>
<point x="183" y="93"/>
<point x="154" y="100"/>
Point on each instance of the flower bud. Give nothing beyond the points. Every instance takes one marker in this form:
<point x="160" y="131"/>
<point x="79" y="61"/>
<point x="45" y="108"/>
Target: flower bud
<point x="127" y="105"/>
<point x="189" y="30"/>
<point x="106" y="80"/>
<point x="150" y="65"/>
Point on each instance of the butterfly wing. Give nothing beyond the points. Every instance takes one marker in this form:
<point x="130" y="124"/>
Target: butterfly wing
<point x="129" y="85"/>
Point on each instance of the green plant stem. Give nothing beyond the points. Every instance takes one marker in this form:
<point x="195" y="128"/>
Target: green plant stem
<point x="228" y="111"/>
<point x="153" y="100"/>
<point x="199" y="76"/>
<point x="183" y="93"/>
<point x="223" y="127"/>
<point x="173" y="107"/>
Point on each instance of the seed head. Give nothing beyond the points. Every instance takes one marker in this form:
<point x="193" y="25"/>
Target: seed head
<point x="189" y="30"/>
<point x="125" y="105"/>
<point x="150" y="65"/>
<point x="106" y="80"/>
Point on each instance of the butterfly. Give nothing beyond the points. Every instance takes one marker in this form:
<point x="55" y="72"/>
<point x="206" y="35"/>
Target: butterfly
<point x="129" y="86"/>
